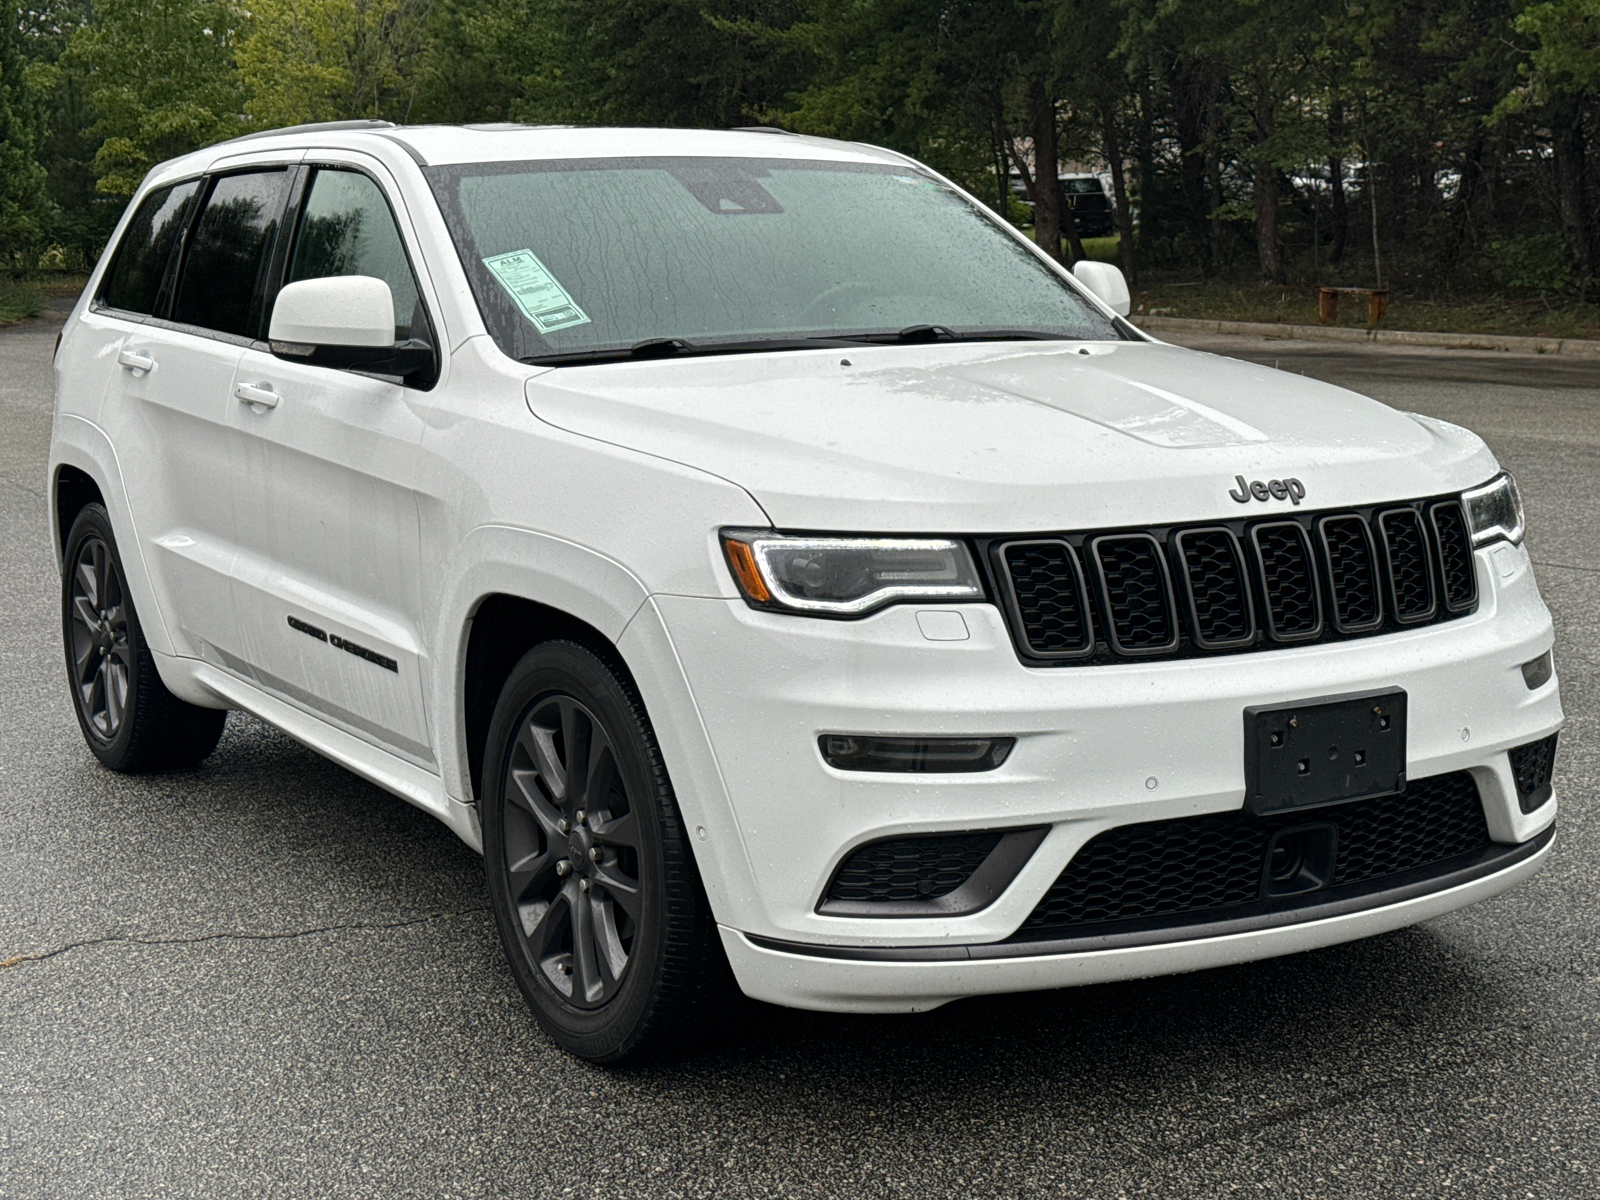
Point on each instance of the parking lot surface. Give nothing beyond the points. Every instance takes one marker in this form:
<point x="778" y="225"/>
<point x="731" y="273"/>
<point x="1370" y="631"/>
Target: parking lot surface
<point x="266" y="977"/>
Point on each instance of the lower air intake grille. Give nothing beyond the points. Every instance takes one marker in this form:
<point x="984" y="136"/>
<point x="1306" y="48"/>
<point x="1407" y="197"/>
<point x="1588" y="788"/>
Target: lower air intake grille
<point x="1533" y="767"/>
<point x="912" y="868"/>
<point x="1175" y="871"/>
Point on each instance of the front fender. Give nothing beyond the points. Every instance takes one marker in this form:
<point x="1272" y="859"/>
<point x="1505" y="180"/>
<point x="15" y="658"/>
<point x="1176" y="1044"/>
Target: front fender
<point x="502" y="559"/>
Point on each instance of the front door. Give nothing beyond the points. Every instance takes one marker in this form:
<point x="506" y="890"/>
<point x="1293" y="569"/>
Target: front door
<point x="326" y="581"/>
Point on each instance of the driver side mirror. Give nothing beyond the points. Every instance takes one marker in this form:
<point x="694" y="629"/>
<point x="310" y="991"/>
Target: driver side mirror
<point x="1106" y="282"/>
<point x="345" y="322"/>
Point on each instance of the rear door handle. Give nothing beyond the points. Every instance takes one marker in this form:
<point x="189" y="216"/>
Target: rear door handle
<point x="136" y="361"/>
<point x="255" y="394"/>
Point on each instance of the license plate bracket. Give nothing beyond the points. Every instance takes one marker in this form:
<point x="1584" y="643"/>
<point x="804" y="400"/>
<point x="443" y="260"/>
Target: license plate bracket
<point x="1328" y="750"/>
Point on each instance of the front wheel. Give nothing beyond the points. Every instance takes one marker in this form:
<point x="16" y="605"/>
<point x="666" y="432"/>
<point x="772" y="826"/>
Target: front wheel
<point x="590" y="874"/>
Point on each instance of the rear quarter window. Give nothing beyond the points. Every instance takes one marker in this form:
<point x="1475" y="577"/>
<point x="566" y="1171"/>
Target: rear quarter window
<point x="145" y="254"/>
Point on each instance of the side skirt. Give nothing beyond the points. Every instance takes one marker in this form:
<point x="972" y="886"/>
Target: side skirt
<point x="411" y="783"/>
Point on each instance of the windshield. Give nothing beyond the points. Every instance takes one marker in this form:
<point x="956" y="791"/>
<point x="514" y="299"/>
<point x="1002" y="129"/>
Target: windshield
<point x="594" y="255"/>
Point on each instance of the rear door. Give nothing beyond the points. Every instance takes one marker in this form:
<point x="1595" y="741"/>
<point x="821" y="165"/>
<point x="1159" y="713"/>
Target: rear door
<point x="169" y="411"/>
<point x="326" y="582"/>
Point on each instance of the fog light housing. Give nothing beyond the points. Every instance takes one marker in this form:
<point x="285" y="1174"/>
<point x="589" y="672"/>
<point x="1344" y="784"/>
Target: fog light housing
<point x="1537" y="672"/>
<point x="914" y="755"/>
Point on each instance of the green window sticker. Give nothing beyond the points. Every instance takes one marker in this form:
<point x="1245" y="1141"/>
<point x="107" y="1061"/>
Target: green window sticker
<point x="541" y="299"/>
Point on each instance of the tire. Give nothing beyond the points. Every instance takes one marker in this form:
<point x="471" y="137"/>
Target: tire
<point x="130" y="720"/>
<point x="590" y="874"/>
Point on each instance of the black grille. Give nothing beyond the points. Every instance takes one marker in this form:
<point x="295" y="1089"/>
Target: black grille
<point x="1047" y="597"/>
<point x="1533" y="766"/>
<point x="1238" y="585"/>
<point x="1212" y="576"/>
<point x="1458" y="578"/>
<point x="1134" y="590"/>
<point x="913" y="868"/>
<point x="1352" y="573"/>
<point x="1170" y="871"/>
<point x="1405" y="551"/>
<point x="1288" y="581"/>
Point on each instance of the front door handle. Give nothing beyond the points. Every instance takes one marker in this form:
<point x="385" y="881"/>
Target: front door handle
<point x="256" y="395"/>
<point x="134" y="360"/>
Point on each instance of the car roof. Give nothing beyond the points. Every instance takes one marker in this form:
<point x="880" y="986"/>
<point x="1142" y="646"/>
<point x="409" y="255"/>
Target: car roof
<point x="443" y="145"/>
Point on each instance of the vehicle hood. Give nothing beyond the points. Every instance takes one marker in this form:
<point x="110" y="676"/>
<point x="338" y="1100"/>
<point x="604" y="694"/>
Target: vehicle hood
<point x="1008" y="437"/>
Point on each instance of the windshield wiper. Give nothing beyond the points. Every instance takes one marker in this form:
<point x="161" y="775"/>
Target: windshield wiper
<point x="913" y="335"/>
<point x="675" y="347"/>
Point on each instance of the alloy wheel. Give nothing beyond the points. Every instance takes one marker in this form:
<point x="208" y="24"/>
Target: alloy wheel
<point x="101" y="662"/>
<point x="572" y="860"/>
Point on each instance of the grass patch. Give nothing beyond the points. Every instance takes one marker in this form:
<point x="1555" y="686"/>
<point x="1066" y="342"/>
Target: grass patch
<point x="19" y="300"/>
<point x="1222" y="300"/>
<point x="1100" y="249"/>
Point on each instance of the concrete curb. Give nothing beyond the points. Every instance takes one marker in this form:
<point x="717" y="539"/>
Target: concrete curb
<point x="1568" y="347"/>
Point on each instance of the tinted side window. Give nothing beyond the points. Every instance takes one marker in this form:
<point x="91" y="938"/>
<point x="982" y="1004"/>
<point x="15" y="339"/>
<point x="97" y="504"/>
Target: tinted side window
<point x="347" y="229"/>
<point x="229" y="248"/>
<point x="134" y="281"/>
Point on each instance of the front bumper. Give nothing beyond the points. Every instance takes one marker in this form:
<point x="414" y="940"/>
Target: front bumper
<point x="817" y="980"/>
<point x="1097" y="747"/>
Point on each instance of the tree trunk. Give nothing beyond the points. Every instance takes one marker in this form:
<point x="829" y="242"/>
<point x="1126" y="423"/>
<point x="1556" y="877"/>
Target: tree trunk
<point x="1340" y="206"/>
<point x="1069" y="226"/>
<point x="1265" y="193"/>
<point x="1145" y="157"/>
<point x="1572" y="188"/>
<point x="1046" y="190"/>
<point x="1190" y="84"/>
<point x="1111" y="147"/>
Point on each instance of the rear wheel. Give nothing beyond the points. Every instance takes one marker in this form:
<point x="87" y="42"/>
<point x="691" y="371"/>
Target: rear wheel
<point x="590" y="875"/>
<point x="129" y="719"/>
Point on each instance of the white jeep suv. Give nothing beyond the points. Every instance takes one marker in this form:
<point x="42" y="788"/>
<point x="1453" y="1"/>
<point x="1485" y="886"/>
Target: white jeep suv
<point x="762" y="552"/>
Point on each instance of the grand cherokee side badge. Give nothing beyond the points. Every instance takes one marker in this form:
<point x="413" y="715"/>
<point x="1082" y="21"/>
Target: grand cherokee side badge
<point x="1275" y="489"/>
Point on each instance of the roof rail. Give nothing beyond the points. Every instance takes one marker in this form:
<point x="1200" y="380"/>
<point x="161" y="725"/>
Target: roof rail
<point x="763" y="129"/>
<point x="314" y="127"/>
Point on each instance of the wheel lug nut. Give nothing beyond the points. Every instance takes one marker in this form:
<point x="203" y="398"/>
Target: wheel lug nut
<point x="583" y="885"/>
<point x="579" y="818"/>
<point x="594" y="853"/>
<point x="564" y="825"/>
<point x="563" y="868"/>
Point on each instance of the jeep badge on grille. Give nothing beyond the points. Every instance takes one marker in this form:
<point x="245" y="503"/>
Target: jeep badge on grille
<point x="1274" y="489"/>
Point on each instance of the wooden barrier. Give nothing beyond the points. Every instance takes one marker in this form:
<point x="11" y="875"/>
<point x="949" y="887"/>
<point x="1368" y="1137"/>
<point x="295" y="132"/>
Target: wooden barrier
<point x="1328" y="304"/>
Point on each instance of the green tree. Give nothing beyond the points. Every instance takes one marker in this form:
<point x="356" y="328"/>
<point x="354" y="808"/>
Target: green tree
<point x="81" y="218"/>
<point x="1561" y="85"/>
<point x="330" y="60"/>
<point x="161" y="78"/>
<point x="24" y="207"/>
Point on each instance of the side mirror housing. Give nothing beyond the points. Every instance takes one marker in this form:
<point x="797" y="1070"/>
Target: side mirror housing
<point x="1106" y="282"/>
<point x="347" y="323"/>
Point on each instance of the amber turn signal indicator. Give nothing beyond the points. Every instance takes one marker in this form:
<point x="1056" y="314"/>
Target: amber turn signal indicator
<point x="743" y="562"/>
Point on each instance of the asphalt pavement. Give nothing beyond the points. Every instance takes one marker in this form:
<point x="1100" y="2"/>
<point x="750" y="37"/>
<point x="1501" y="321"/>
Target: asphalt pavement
<point x="265" y="977"/>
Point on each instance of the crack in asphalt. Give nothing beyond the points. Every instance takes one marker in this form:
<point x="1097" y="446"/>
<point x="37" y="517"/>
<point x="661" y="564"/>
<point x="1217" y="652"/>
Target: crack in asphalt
<point x="1564" y="566"/>
<point x="136" y="940"/>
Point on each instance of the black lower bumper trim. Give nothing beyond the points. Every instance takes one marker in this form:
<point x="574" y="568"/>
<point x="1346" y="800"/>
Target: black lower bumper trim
<point x="1395" y="889"/>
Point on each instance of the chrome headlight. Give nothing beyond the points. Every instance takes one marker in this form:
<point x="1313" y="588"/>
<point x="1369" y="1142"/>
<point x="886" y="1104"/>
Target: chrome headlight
<point x="1494" y="511"/>
<point x="849" y="576"/>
